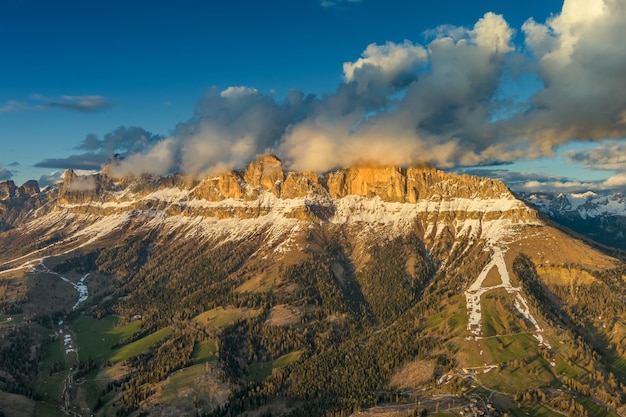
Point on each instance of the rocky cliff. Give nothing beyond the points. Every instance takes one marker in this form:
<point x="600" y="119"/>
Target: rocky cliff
<point x="266" y="174"/>
<point x="264" y="187"/>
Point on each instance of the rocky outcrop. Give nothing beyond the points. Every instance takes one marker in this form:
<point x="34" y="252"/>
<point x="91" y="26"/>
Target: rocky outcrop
<point x="301" y="184"/>
<point x="29" y="188"/>
<point x="7" y="190"/>
<point x="394" y="184"/>
<point x="264" y="187"/>
<point x="387" y="183"/>
<point x="266" y="172"/>
<point x="19" y="203"/>
<point x="227" y="185"/>
<point x="75" y="188"/>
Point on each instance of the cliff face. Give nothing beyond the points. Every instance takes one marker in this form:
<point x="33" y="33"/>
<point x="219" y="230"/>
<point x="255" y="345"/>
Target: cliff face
<point x="264" y="187"/>
<point x="8" y="190"/>
<point x="16" y="203"/>
<point x="266" y="174"/>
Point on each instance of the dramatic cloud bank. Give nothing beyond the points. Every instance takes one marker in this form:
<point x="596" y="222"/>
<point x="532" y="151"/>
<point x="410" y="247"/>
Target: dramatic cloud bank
<point x="581" y="62"/>
<point x="121" y="143"/>
<point x="444" y="102"/>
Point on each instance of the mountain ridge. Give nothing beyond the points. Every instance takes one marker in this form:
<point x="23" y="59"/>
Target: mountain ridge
<point x="601" y="216"/>
<point x="339" y="283"/>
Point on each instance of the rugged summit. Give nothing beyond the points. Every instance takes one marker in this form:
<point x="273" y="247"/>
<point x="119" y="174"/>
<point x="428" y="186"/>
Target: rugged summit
<point x="599" y="216"/>
<point x="265" y="187"/>
<point x="302" y="294"/>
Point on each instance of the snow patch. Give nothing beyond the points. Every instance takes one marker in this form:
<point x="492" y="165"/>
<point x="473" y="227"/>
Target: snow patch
<point x="474" y="293"/>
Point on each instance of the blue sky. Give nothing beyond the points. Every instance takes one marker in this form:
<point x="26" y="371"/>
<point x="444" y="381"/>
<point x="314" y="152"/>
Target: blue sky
<point x="203" y="86"/>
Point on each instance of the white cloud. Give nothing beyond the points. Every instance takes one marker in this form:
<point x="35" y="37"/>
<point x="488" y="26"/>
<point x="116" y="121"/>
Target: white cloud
<point x="615" y="181"/>
<point x="440" y="102"/>
<point x="558" y="186"/>
<point x="388" y="63"/>
<point x="14" y="106"/>
<point x="581" y="61"/>
<point x="160" y="160"/>
<point x="238" y="92"/>
<point x="493" y="33"/>
<point x="606" y="156"/>
<point x="5" y="174"/>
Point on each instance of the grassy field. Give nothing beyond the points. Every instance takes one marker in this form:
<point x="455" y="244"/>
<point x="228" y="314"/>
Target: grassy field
<point x="499" y="315"/>
<point x="534" y="411"/>
<point x="49" y="386"/>
<point x="139" y="346"/>
<point x="204" y="352"/>
<point x="11" y="320"/>
<point x="220" y="317"/>
<point x="13" y="405"/>
<point x="46" y="410"/>
<point x="95" y="338"/>
<point x="453" y="316"/>
<point x="192" y="386"/>
<point x="261" y="370"/>
<point x="287" y="359"/>
<point x="512" y="380"/>
<point x="506" y="348"/>
<point x="595" y="410"/>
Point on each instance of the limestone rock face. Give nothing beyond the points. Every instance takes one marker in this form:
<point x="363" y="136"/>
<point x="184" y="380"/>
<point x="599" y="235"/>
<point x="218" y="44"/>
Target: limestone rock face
<point x="29" y="188"/>
<point x="18" y="203"/>
<point x="260" y="179"/>
<point x="395" y="184"/>
<point x="77" y="189"/>
<point x="266" y="172"/>
<point x="388" y="183"/>
<point x="264" y="188"/>
<point x="227" y="185"/>
<point x="7" y="189"/>
<point x="433" y="184"/>
<point x="301" y="184"/>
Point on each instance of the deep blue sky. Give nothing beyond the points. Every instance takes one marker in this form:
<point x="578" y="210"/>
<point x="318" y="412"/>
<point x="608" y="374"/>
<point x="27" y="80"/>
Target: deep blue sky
<point x="147" y="63"/>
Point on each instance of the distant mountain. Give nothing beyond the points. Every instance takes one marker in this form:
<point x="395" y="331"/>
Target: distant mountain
<point x="265" y="292"/>
<point x="599" y="216"/>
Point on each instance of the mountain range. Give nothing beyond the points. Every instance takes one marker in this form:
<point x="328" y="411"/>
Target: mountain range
<point x="369" y="289"/>
<point x="599" y="216"/>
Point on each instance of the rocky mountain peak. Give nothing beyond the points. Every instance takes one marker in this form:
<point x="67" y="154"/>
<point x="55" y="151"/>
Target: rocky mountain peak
<point x="29" y="188"/>
<point x="76" y="188"/>
<point x="7" y="189"/>
<point x="266" y="172"/>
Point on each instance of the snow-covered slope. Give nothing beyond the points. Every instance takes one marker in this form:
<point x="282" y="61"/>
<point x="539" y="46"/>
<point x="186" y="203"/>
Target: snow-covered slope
<point x="368" y="203"/>
<point x="585" y="205"/>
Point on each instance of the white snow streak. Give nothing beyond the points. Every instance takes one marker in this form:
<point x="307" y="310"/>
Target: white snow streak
<point x="476" y="290"/>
